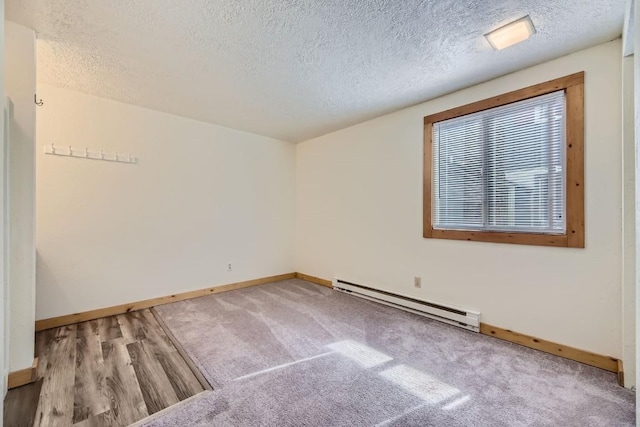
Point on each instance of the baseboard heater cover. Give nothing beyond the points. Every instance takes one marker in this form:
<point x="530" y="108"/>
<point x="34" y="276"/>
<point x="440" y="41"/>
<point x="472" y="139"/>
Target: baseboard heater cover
<point x="452" y="315"/>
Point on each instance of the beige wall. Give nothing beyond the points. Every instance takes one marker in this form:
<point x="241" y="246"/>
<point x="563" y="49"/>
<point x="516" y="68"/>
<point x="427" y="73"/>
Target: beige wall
<point x="628" y="226"/>
<point x="636" y="98"/>
<point x="20" y="85"/>
<point x="201" y="196"/>
<point x="359" y="216"/>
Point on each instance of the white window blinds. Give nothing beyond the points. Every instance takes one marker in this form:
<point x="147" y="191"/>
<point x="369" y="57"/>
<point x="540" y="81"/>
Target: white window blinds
<point x="502" y="169"/>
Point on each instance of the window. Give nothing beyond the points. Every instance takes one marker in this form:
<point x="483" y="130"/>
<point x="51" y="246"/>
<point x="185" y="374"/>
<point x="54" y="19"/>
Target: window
<point x="509" y="169"/>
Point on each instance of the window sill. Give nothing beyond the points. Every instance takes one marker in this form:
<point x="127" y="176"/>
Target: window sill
<point x="557" y="240"/>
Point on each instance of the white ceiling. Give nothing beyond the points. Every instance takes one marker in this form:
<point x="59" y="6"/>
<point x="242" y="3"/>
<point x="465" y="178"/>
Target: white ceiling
<point x="294" y="69"/>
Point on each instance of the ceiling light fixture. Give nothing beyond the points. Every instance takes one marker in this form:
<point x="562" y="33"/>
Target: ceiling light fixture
<point x="512" y="33"/>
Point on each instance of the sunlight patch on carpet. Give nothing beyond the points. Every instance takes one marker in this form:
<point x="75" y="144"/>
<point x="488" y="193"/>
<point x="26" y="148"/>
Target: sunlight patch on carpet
<point x="284" y="365"/>
<point x="361" y="354"/>
<point x="419" y="384"/>
<point x="456" y="403"/>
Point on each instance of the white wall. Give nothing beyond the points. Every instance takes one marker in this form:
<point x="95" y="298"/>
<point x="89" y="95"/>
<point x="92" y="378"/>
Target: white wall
<point x="20" y="85"/>
<point x="201" y="196"/>
<point x="359" y="216"/>
<point x="4" y="338"/>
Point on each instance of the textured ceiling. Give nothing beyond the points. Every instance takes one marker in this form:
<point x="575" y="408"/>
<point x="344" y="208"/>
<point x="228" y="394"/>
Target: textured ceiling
<point x="294" y="69"/>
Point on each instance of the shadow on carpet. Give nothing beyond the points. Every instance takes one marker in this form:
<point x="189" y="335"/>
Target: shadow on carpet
<point x="292" y="353"/>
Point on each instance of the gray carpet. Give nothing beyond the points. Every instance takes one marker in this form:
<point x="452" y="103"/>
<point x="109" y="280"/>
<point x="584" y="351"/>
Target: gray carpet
<point x="293" y="353"/>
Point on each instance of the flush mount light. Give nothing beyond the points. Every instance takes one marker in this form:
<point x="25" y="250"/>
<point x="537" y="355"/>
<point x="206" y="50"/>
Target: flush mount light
<point x="512" y="33"/>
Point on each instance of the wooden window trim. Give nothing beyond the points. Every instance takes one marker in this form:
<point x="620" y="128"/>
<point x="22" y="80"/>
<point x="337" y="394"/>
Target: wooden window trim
<point x="573" y="85"/>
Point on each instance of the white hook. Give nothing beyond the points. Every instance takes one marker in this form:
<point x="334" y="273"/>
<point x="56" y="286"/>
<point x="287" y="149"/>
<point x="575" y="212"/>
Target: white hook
<point x="53" y="149"/>
<point x="70" y="151"/>
<point x="102" y="154"/>
<point x="86" y="152"/>
<point x="129" y="157"/>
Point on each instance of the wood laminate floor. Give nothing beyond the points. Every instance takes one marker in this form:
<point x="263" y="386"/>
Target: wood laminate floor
<point x="106" y="372"/>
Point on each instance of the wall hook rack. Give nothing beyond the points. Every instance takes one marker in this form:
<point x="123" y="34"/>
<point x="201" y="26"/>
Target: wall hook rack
<point x="85" y="153"/>
<point x="38" y="103"/>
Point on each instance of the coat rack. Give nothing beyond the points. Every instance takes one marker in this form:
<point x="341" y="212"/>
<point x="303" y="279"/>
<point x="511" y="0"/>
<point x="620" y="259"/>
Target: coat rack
<point x="86" y="154"/>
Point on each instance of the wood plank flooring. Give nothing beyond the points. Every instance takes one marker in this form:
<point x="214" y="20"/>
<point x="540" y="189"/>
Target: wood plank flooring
<point x="22" y="401"/>
<point x="106" y="372"/>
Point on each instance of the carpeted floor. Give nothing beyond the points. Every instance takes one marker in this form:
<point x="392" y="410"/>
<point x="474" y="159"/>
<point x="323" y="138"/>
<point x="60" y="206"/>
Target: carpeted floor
<point x="293" y="353"/>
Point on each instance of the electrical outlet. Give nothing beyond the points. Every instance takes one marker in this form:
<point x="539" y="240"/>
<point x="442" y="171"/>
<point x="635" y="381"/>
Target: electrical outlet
<point x="417" y="282"/>
<point x="229" y="267"/>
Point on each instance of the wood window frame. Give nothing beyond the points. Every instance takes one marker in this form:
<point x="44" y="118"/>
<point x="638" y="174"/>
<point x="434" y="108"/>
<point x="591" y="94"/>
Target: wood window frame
<point x="574" y="236"/>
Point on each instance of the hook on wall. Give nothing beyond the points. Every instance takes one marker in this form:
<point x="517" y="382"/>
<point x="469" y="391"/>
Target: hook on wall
<point x="69" y="151"/>
<point x="38" y="103"/>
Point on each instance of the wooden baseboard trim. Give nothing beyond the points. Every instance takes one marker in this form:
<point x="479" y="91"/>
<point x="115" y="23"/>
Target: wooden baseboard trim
<point x="26" y="376"/>
<point x="70" y="319"/>
<point x="588" y="358"/>
<point x="23" y="376"/>
<point x="316" y="280"/>
<point x="620" y="373"/>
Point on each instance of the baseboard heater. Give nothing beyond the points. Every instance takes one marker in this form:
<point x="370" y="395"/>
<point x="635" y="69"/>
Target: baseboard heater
<point x="454" y="316"/>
